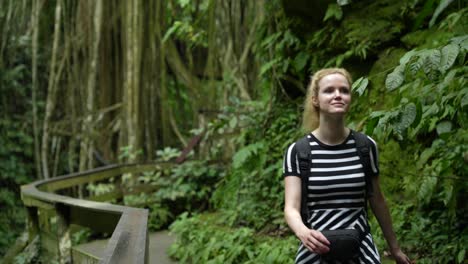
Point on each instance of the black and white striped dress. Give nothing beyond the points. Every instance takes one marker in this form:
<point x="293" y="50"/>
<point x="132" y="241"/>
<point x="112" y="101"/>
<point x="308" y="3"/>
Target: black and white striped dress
<point x="335" y="197"/>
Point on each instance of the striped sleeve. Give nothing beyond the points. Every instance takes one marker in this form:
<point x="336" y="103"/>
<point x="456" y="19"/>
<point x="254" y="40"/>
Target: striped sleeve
<point x="374" y="156"/>
<point x="290" y="162"/>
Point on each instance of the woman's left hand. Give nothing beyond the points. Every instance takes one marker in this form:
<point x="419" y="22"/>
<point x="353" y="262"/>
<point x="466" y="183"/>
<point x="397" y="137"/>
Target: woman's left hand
<point x="400" y="257"/>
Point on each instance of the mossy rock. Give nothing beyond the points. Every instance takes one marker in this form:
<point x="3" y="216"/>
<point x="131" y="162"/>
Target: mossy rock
<point x="387" y="60"/>
<point x="363" y="26"/>
<point x="426" y="39"/>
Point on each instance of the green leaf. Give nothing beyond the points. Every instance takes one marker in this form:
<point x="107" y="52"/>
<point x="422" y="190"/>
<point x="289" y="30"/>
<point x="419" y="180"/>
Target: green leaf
<point x="464" y="100"/>
<point x="245" y="153"/>
<point x="270" y="40"/>
<point x="461" y="256"/>
<point x="433" y="123"/>
<point x="448" y="80"/>
<point x="343" y="2"/>
<point x="448" y="193"/>
<point x="407" y="118"/>
<point x="335" y="11"/>
<point x="183" y="3"/>
<point x="395" y="79"/>
<point x="426" y="189"/>
<point x="459" y="40"/>
<point x="339" y="60"/>
<point x="416" y="65"/>
<point x="444" y="127"/>
<point x="173" y="29"/>
<point x="464" y="44"/>
<point x="360" y="85"/>
<point x="407" y="57"/>
<point x="432" y="110"/>
<point x="432" y="62"/>
<point x="371" y="126"/>
<point x="448" y="56"/>
<point x="233" y="122"/>
<point x="267" y="66"/>
<point x="301" y="60"/>
<point x="440" y="8"/>
<point x="424" y="157"/>
<point x="419" y="113"/>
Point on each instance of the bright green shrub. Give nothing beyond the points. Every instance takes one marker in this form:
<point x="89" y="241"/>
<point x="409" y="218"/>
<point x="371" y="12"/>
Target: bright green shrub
<point x="204" y="239"/>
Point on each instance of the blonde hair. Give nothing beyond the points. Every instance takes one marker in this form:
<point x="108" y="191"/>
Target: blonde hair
<point x="310" y="116"/>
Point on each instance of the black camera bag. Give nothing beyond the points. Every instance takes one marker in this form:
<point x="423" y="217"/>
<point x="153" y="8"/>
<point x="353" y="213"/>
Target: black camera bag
<point x="344" y="244"/>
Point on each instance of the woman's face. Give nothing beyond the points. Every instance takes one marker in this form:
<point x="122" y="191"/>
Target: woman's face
<point x="334" y="95"/>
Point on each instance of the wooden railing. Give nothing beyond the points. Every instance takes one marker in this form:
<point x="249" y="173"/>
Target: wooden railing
<point x="51" y="213"/>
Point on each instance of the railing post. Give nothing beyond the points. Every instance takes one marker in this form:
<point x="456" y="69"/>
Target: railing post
<point x="32" y="223"/>
<point x="63" y="234"/>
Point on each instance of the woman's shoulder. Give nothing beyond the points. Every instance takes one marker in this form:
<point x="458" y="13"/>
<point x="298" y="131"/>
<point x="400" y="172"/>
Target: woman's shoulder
<point x="366" y="137"/>
<point x="292" y="146"/>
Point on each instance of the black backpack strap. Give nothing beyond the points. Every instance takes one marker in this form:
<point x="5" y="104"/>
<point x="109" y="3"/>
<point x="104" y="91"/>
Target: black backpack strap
<point x="364" y="148"/>
<point x="304" y="157"/>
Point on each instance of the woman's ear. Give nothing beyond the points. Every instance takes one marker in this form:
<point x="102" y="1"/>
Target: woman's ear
<point x="315" y="101"/>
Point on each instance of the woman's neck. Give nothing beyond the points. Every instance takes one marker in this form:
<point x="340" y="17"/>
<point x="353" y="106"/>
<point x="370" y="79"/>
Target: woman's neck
<point x="332" y="132"/>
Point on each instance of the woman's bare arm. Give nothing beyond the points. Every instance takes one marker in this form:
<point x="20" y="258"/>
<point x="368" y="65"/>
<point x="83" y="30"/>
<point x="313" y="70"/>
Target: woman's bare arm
<point x="381" y="212"/>
<point x="312" y="239"/>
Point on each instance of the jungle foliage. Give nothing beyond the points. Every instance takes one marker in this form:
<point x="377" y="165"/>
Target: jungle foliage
<point x="16" y="141"/>
<point x="140" y="85"/>
<point x="417" y="90"/>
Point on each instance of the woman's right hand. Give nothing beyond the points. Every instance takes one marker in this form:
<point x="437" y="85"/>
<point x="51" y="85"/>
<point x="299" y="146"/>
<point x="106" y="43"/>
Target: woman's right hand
<point x="314" y="240"/>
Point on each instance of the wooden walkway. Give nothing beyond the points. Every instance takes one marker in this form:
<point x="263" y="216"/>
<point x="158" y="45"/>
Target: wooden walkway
<point x="158" y="245"/>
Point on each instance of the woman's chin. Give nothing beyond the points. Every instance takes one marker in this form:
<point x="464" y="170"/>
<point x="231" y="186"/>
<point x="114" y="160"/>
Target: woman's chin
<point x="335" y="113"/>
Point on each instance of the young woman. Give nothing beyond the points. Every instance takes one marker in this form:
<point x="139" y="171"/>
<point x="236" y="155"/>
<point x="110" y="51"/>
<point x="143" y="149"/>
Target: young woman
<point x="336" y="187"/>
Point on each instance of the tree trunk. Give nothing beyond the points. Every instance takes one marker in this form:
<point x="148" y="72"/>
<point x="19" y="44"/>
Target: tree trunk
<point x="163" y="96"/>
<point x="6" y="30"/>
<point x="51" y="91"/>
<point x="36" y="10"/>
<point x="132" y="44"/>
<point x="210" y="68"/>
<point x="87" y="149"/>
<point x="110" y="82"/>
